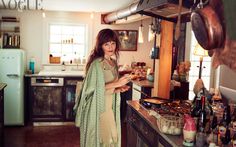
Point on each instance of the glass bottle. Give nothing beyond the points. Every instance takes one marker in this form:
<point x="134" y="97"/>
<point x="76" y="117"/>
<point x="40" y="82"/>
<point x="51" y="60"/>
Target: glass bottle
<point x="195" y="110"/>
<point x="63" y="66"/>
<point x="213" y="130"/>
<point x="234" y="140"/>
<point x="201" y="135"/>
<point x="202" y="117"/>
<point x="224" y="132"/>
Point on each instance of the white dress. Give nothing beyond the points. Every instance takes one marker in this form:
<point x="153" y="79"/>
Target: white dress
<point x="108" y="130"/>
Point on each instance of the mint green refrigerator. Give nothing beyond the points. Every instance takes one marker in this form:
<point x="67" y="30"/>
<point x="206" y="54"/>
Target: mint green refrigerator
<point x="12" y="69"/>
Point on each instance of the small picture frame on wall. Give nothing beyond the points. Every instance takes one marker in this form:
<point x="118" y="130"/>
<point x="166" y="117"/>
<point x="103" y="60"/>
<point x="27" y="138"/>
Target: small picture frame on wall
<point x="128" y="39"/>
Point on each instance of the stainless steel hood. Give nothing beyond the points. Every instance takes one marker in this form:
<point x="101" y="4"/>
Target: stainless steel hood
<point x="165" y="9"/>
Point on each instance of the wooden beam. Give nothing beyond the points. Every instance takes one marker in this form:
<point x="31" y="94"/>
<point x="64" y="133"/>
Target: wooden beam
<point x="165" y="61"/>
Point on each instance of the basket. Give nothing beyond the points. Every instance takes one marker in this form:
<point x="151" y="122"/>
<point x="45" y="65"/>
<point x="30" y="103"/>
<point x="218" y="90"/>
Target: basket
<point x="55" y="60"/>
<point x="171" y="125"/>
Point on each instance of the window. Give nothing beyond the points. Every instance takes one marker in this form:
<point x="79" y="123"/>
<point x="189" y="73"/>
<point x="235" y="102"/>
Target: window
<point x="67" y="41"/>
<point x="194" y="71"/>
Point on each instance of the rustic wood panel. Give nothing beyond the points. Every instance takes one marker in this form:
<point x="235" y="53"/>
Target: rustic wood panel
<point x="165" y="61"/>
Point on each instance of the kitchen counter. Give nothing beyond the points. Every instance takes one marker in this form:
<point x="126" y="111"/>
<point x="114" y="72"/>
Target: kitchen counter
<point x="138" y="115"/>
<point x="2" y="86"/>
<point x="58" y="74"/>
<point x="143" y="83"/>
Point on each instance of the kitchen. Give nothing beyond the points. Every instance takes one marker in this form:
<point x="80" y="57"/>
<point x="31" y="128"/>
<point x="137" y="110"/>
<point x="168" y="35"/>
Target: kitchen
<point x="34" y="37"/>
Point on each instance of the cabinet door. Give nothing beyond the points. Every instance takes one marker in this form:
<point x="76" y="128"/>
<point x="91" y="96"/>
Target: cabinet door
<point x="47" y="103"/>
<point x="163" y="143"/>
<point x="131" y="136"/>
<point x="70" y="102"/>
<point x="72" y="89"/>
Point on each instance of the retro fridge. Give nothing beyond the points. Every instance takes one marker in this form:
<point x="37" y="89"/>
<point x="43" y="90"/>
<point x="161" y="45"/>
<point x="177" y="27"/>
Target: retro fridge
<point x="12" y="69"/>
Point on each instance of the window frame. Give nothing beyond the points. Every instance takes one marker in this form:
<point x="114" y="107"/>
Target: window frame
<point x="46" y="40"/>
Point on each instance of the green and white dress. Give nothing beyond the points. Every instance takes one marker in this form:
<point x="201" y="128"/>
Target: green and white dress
<point x="98" y="110"/>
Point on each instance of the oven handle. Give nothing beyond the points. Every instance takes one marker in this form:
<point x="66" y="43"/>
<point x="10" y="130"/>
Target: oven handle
<point x="34" y="83"/>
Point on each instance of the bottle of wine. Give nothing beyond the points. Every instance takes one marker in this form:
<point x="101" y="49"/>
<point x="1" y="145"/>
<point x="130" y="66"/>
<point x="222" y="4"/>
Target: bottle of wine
<point x="202" y="118"/>
<point x="196" y="108"/>
<point x="201" y="135"/>
<point x="234" y="121"/>
<point x="224" y="131"/>
<point x="214" y="126"/>
<point x="234" y="140"/>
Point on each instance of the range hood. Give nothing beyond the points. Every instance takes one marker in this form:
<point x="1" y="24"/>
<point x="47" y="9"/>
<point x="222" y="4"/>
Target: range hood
<point x="165" y="9"/>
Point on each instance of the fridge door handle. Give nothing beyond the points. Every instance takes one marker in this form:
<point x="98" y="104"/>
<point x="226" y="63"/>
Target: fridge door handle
<point x="13" y="75"/>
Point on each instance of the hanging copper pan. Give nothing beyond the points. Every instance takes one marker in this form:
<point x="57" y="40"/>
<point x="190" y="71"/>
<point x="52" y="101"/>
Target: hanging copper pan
<point x="207" y="28"/>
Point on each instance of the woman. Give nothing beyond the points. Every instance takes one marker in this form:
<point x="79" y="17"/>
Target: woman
<point x="98" y="106"/>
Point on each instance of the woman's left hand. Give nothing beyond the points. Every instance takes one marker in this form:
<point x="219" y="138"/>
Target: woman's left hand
<point x="122" y="89"/>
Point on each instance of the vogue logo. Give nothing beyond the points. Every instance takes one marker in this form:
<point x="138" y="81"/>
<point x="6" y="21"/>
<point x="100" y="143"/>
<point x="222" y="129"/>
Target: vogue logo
<point x="22" y="4"/>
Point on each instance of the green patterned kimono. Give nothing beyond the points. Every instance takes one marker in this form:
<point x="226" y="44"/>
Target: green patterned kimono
<point x="90" y="104"/>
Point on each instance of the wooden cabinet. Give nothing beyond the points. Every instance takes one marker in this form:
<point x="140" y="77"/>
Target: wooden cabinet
<point x="140" y="133"/>
<point x="2" y="86"/>
<point x="9" y="32"/>
<point x="142" y="130"/>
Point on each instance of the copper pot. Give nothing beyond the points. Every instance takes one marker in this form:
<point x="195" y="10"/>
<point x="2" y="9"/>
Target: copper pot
<point x="207" y="28"/>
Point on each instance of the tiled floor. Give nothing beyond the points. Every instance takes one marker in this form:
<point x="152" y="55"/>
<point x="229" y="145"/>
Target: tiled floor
<point x="53" y="136"/>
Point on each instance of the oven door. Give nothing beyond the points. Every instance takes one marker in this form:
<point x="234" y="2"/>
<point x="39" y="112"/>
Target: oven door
<point x="47" y="99"/>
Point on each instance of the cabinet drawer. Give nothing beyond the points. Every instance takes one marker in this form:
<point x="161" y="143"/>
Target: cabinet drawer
<point x="145" y="130"/>
<point x="136" y="95"/>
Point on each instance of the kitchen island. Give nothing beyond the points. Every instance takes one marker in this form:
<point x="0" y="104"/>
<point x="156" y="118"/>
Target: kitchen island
<point x="142" y="129"/>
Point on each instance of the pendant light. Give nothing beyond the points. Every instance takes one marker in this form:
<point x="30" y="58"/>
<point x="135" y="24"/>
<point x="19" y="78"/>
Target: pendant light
<point x="140" y="33"/>
<point x="150" y="32"/>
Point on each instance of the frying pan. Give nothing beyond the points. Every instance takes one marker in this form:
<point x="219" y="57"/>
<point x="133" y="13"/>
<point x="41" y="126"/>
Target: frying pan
<point x="207" y="28"/>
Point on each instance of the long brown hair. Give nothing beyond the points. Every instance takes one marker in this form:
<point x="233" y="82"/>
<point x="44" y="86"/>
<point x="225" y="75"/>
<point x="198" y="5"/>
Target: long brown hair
<point x="104" y="36"/>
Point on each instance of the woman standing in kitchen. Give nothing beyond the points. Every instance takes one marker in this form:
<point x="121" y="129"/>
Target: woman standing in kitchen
<point x="98" y="105"/>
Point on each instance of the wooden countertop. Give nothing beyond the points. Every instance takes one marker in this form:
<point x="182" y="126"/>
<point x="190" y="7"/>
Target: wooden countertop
<point x="2" y="86"/>
<point x="175" y="141"/>
<point x="143" y="83"/>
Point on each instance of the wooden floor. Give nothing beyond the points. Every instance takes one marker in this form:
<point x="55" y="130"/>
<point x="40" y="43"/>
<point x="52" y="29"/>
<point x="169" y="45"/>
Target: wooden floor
<point x="50" y="136"/>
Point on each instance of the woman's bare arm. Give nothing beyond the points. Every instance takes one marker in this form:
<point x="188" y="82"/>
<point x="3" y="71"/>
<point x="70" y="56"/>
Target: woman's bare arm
<point x="118" y="83"/>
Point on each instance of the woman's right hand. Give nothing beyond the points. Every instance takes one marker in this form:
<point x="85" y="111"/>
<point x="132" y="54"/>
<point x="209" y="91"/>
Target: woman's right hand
<point x="119" y="82"/>
<point x="123" y="80"/>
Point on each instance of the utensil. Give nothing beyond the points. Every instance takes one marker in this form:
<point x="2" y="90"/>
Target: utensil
<point x="207" y="28"/>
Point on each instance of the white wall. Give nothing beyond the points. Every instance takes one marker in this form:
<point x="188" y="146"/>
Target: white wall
<point x="227" y="77"/>
<point x="33" y="32"/>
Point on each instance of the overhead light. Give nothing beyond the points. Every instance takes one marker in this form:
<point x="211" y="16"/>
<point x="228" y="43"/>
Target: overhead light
<point x="140" y="33"/>
<point x="91" y="15"/>
<point x="150" y="32"/>
<point x="43" y="14"/>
